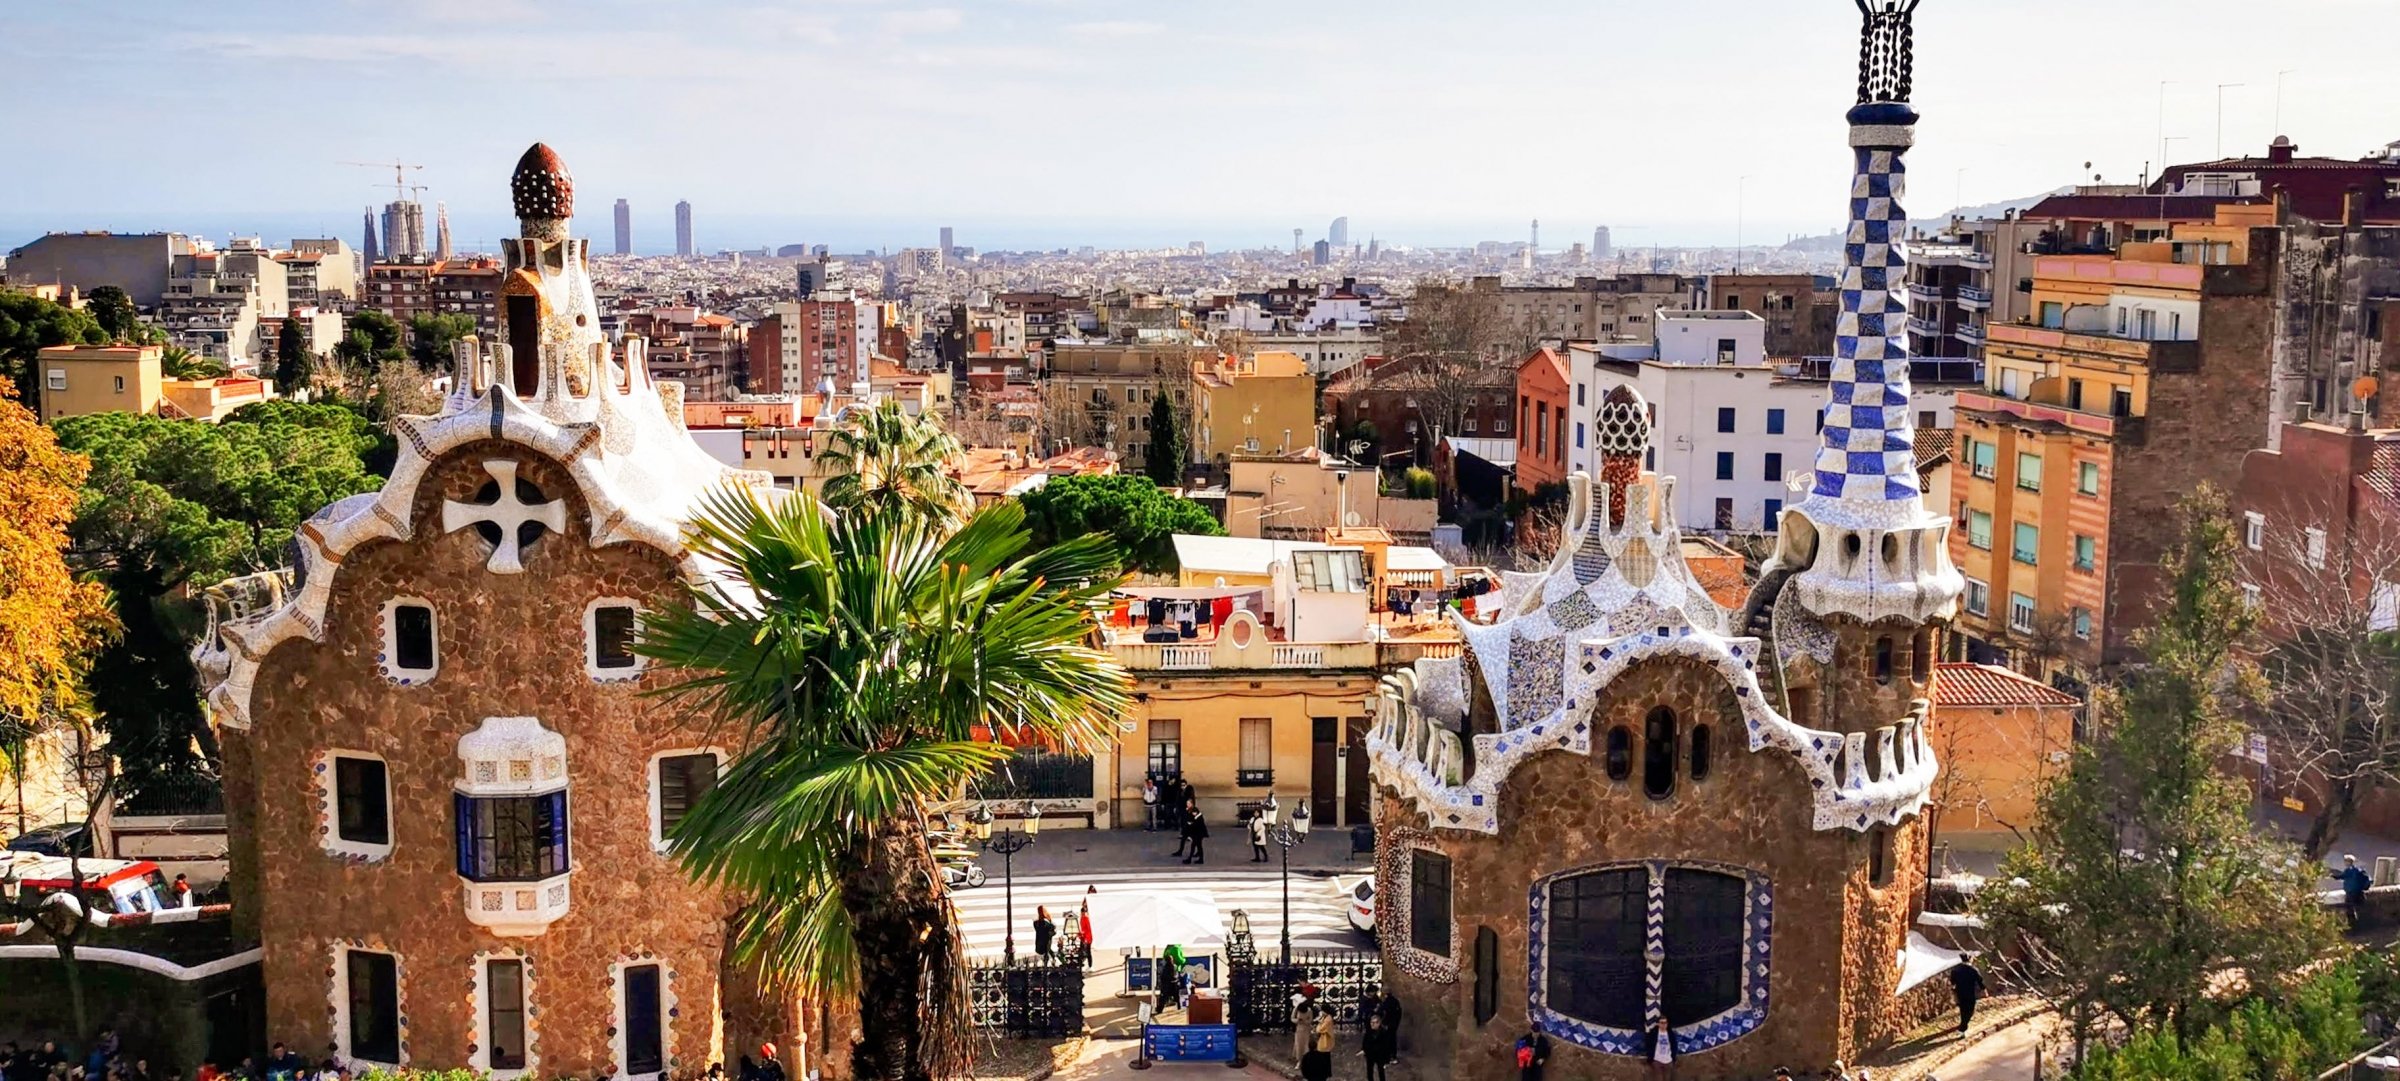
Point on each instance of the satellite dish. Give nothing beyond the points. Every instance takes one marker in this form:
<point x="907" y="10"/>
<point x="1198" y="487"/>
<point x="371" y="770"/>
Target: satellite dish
<point x="1352" y="518"/>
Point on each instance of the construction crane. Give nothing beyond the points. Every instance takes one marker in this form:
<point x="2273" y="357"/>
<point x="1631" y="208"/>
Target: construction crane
<point x="401" y="188"/>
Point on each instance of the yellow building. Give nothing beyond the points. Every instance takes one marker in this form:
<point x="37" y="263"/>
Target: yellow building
<point x="2097" y="415"/>
<point x="1100" y="394"/>
<point x="1263" y="404"/>
<point x="78" y="380"/>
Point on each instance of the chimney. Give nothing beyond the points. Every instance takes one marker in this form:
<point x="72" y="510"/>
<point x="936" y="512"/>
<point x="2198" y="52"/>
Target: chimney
<point x="2354" y="207"/>
<point x="2281" y="150"/>
<point x="2283" y="203"/>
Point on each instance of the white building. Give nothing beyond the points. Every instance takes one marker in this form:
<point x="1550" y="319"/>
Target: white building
<point x="1732" y="429"/>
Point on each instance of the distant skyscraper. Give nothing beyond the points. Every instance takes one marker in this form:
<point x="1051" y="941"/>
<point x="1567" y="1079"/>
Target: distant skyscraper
<point x="624" y="228"/>
<point x="1295" y="242"/>
<point x="403" y="229"/>
<point x="1323" y="254"/>
<point x="441" y="231"/>
<point x="946" y="244"/>
<point x="1600" y="249"/>
<point x="1536" y="243"/>
<point x="683" y="228"/>
<point x="1374" y="249"/>
<point x="367" y="247"/>
<point x="1338" y="233"/>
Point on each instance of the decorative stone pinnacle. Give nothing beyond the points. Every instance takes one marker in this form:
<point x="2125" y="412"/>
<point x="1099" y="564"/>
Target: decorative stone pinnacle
<point x="1886" y="49"/>
<point x="541" y="188"/>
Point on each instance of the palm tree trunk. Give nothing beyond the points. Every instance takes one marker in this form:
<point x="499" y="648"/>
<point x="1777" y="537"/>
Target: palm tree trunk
<point x="912" y="996"/>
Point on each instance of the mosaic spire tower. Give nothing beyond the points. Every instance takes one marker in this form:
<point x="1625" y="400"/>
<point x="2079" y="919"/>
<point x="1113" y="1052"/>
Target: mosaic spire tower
<point x="1875" y="551"/>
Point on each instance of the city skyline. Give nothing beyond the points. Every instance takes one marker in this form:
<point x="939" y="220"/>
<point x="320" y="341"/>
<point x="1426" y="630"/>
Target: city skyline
<point x="1737" y="168"/>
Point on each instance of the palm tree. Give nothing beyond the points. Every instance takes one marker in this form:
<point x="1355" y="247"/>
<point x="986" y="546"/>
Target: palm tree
<point x="889" y="459"/>
<point x="875" y="663"/>
<point x="177" y="362"/>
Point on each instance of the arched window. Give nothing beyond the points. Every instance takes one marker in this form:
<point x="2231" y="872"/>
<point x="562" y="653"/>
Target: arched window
<point x="1487" y="974"/>
<point x="1700" y="752"/>
<point x="1658" y="753"/>
<point x="1920" y="660"/>
<point x="1883" y="660"/>
<point x="1879" y="858"/>
<point x="1594" y="930"/>
<point x="1620" y="753"/>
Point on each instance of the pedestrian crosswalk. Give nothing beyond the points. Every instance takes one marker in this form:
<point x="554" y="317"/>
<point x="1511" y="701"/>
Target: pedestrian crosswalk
<point x="1320" y="907"/>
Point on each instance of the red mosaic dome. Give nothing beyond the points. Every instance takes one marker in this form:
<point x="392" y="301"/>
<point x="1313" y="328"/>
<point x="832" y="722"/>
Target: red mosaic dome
<point x="541" y="187"/>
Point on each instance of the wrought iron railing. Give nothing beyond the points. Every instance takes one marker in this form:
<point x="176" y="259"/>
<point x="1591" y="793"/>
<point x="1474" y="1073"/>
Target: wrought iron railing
<point x="1027" y="999"/>
<point x="1349" y="982"/>
<point x="1033" y="773"/>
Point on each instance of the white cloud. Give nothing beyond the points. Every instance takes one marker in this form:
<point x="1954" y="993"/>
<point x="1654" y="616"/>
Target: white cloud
<point x="924" y="21"/>
<point x="1114" y="28"/>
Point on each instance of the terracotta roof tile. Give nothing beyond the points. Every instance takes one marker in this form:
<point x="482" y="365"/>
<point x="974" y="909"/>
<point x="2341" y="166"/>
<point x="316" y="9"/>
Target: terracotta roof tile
<point x="1960" y="685"/>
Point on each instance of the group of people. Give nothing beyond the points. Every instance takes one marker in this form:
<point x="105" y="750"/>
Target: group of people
<point x="1076" y="946"/>
<point x="1172" y="805"/>
<point x="47" y="1063"/>
<point x="1313" y="1039"/>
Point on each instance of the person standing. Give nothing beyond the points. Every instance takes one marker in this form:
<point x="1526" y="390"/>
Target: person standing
<point x="1304" y="1020"/>
<point x="1045" y="932"/>
<point x="1966" y="986"/>
<point x="1174" y="816"/>
<point x="1195" y="830"/>
<point x="2354" y="890"/>
<point x="1149" y="804"/>
<point x="1083" y="924"/>
<point x="1258" y="837"/>
<point x="1317" y="1065"/>
<point x="1389" y="1010"/>
<point x="1377" y="1046"/>
<point x="1661" y="1051"/>
<point x="1533" y="1053"/>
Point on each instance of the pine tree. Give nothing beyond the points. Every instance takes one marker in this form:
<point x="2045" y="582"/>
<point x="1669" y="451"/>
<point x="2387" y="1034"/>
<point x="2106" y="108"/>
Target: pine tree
<point x="1168" y="446"/>
<point x="2143" y="879"/>
<point x="293" y="365"/>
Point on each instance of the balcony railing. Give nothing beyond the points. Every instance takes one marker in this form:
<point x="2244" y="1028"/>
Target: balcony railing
<point x="1974" y="297"/>
<point x="1969" y="333"/>
<point x="1254" y="778"/>
<point x="1978" y="260"/>
<point x="1926" y="327"/>
<point x="1202" y="657"/>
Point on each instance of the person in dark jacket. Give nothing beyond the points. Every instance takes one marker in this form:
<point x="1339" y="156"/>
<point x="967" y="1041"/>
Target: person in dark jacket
<point x="1966" y="986"/>
<point x="2354" y="890"/>
<point x="1377" y="1045"/>
<point x="1045" y="930"/>
<point x="1658" y="1048"/>
<point x="1195" y="831"/>
<point x="1532" y="1054"/>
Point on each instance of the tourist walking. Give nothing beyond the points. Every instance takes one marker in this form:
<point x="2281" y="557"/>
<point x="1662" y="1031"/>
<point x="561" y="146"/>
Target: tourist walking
<point x="1195" y="832"/>
<point x="1661" y="1051"/>
<point x="2354" y="890"/>
<point x="1258" y="837"/>
<point x="1045" y="932"/>
<point x="1966" y="986"/>
<point x="1304" y="1020"/>
<point x="1377" y="1045"/>
<point x="1083" y="924"/>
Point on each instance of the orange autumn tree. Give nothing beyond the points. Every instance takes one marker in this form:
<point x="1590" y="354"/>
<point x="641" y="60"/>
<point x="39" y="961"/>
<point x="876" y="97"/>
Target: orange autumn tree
<point x="49" y="621"/>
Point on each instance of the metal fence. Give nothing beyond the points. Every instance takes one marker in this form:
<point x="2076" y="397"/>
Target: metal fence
<point x="1027" y="999"/>
<point x="1348" y="982"/>
<point x="1033" y="773"/>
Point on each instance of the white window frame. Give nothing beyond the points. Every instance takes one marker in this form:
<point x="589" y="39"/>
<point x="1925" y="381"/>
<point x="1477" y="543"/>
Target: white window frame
<point x="2251" y="595"/>
<point x="2032" y="613"/>
<point x="2314" y="552"/>
<point x="339" y="993"/>
<point x="387" y="659"/>
<point x="1977" y="586"/>
<point x="666" y="1015"/>
<point x="2254" y="530"/>
<point x="479" y="1016"/>
<point x="591" y="641"/>
<point x="56" y="379"/>
<point x="658" y="812"/>
<point x="329" y="790"/>
<point x="2081" y="623"/>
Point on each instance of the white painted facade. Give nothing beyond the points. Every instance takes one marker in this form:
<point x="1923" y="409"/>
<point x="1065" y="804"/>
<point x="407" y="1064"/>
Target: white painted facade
<point x="1712" y="338"/>
<point x="1734" y="433"/>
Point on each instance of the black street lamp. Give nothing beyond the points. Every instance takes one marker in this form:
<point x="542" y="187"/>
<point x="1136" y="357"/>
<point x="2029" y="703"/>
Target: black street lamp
<point x="1007" y="842"/>
<point x="1285" y="835"/>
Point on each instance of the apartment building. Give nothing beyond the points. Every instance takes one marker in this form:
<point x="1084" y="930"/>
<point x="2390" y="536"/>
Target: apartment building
<point x="2143" y="373"/>
<point x="79" y="380"/>
<point x="469" y="287"/>
<point x="1100" y="393"/>
<point x="402" y="289"/>
<point x="1542" y="393"/>
<point x="215" y="300"/>
<point x="698" y="348"/>
<point x="1265" y="403"/>
<point x="1799" y="315"/>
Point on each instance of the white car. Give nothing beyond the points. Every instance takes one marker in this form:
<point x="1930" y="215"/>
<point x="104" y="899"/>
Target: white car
<point x="1362" y="905"/>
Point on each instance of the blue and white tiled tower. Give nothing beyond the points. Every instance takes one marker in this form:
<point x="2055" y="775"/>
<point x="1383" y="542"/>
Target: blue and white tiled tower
<point x="1870" y="548"/>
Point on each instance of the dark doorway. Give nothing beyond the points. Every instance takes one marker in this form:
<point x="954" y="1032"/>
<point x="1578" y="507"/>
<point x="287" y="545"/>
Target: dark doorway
<point x="1321" y="766"/>
<point x="525" y="343"/>
<point x="1355" y="785"/>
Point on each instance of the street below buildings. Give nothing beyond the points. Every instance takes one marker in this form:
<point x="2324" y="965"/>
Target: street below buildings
<point x="1319" y="908"/>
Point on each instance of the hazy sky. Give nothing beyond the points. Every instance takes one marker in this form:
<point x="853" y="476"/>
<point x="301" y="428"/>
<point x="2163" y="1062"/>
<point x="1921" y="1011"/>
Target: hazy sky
<point x="1074" y="121"/>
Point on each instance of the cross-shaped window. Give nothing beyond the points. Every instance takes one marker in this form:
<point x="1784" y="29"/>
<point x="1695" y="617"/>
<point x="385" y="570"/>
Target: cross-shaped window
<point x="508" y="513"/>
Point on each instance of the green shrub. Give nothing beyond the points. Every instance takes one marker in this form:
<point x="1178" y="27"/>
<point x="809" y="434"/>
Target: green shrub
<point x="1419" y="481"/>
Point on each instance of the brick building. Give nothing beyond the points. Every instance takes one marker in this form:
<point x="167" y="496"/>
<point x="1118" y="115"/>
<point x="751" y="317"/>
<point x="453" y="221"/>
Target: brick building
<point x="469" y="287"/>
<point x="402" y="290"/>
<point x="1542" y="394"/>
<point x="2147" y="376"/>
<point x="1414" y="401"/>
<point x="420" y="714"/>
<point x="1799" y="318"/>
<point x="1625" y="806"/>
